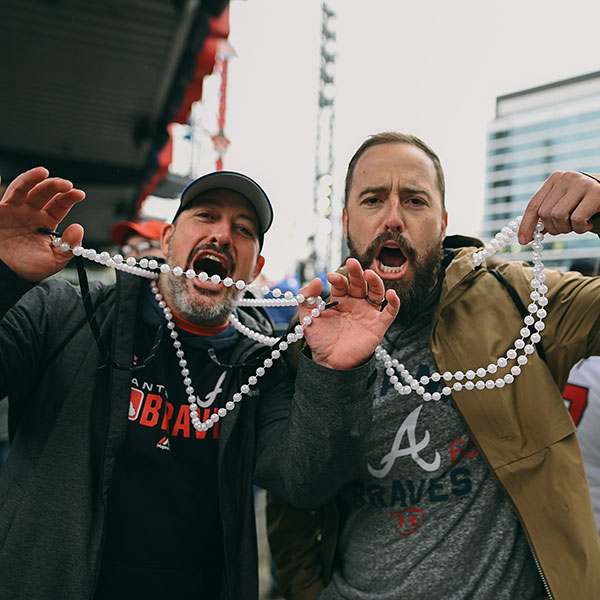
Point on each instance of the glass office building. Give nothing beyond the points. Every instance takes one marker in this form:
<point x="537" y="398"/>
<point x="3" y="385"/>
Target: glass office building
<point x="554" y="127"/>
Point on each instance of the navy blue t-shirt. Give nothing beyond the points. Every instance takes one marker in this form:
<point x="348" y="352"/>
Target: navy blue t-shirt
<point x="163" y="536"/>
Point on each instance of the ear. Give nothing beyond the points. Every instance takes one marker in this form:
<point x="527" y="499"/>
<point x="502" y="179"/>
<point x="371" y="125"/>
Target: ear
<point x="345" y="222"/>
<point x="444" y="224"/>
<point x="165" y="237"/>
<point x="260" y="263"/>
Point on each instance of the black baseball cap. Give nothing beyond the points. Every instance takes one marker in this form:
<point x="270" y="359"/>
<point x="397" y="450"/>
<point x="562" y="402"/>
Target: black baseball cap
<point x="237" y="182"/>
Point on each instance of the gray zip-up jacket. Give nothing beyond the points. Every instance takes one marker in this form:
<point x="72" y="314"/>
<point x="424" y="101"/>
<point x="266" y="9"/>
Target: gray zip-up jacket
<point x="68" y="417"/>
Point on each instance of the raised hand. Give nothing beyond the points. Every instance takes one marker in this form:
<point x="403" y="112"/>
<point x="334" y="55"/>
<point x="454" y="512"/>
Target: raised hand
<point x="31" y="201"/>
<point x="566" y="202"/>
<point x="345" y="335"/>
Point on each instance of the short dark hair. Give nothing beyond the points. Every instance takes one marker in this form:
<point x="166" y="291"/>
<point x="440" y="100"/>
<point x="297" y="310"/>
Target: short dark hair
<point x="394" y="137"/>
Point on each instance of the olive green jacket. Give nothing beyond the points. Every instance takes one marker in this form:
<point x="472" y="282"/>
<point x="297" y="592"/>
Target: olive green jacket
<point x="523" y="430"/>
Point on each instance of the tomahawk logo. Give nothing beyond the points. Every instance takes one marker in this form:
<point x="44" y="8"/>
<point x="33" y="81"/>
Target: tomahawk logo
<point x="163" y="443"/>
<point x="212" y="396"/>
<point x="408" y="428"/>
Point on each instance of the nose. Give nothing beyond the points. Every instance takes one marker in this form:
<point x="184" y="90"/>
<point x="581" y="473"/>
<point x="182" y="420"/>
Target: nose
<point x="221" y="233"/>
<point x="393" y="218"/>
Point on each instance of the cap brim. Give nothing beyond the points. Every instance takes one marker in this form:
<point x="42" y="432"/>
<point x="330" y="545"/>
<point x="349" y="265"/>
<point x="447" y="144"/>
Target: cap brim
<point x="237" y="182"/>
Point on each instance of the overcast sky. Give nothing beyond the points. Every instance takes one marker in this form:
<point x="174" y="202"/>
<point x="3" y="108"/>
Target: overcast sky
<point x="433" y="68"/>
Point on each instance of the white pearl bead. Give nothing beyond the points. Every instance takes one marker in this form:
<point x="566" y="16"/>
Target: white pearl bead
<point x="276" y="293"/>
<point x="446" y="391"/>
<point x="245" y="388"/>
<point x="202" y="276"/>
<point x="522" y="360"/>
<point x="222" y="412"/>
<point x="535" y="337"/>
<point x="252" y="380"/>
<point x="447" y="376"/>
<point x="511" y="354"/>
<point x="268" y="362"/>
<point x="260" y="371"/>
<point x="480" y="385"/>
<point x="515" y="370"/>
<point x="481" y="372"/>
<point x="306" y="320"/>
<point x="315" y="312"/>
<point x="230" y="405"/>
<point x="214" y="418"/>
<point x="237" y="397"/>
<point x="190" y="273"/>
<point x="435" y="376"/>
<point x="436" y="396"/>
<point x="469" y="385"/>
<point x="502" y="362"/>
<point x="215" y="279"/>
<point x="240" y="285"/>
<point x="457" y="386"/>
<point x="519" y="344"/>
<point x="165" y="268"/>
<point x="300" y="298"/>
<point x="143" y="262"/>
<point x="227" y="282"/>
<point x="152" y="264"/>
<point x="489" y="384"/>
<point x="492" y="368"/>
<point x="470" y="374"/>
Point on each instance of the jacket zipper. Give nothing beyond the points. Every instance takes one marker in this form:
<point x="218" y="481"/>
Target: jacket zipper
<point x="506" y="494"/>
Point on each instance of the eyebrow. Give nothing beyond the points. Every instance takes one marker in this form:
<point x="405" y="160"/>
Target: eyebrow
<point x="405" y="191"/>
<point x="199" y="202"/>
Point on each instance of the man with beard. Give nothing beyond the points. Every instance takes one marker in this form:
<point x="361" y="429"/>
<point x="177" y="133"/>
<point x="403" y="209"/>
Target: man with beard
<point x="140" y="418"/>
<point x="477" y="491"/>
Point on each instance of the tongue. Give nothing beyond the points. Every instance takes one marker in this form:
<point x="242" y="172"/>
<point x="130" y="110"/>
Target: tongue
<point x="392" y="257"/>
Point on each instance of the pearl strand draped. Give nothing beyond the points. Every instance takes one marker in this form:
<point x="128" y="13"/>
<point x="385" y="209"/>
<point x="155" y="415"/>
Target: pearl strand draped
<point x="476" y="378"/>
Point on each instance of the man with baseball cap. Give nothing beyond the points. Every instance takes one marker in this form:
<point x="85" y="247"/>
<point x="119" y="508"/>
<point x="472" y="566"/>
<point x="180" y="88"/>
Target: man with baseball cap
<point x="131" y="469"/>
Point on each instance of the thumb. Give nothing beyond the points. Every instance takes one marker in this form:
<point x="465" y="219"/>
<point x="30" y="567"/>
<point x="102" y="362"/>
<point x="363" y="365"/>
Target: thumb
<point x="73" y="235"/>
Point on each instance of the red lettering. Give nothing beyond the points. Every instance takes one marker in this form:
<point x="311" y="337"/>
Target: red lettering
<point x="456" y="447"/>
<point x="183" y="422"/>
<point x="454" y="451"/>
<point x="576" y="398"/>
<point x="150" y="413"/>
<point x="167" y="417"/>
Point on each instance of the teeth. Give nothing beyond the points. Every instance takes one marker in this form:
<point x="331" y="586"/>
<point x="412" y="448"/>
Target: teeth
<point x="388" y="269"/>
<point x="214" y="258"/>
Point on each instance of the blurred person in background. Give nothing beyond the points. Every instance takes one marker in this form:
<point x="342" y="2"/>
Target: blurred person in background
<point x="138" y="238"/>
<point x="582" y="397"/>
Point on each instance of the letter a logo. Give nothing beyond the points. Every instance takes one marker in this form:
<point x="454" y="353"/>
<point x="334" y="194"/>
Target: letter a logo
<point x="407" y="428"/>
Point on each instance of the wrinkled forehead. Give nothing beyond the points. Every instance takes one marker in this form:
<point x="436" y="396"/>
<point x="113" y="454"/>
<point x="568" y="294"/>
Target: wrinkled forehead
<point x="403" y="165"/>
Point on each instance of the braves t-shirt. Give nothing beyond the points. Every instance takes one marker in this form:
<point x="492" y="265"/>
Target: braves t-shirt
<point x="163" y="536"/>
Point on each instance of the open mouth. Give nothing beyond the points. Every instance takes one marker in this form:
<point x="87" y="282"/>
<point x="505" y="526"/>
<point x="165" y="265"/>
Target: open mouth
<point x="391" y="259"/>
<point x="211" y="264"/>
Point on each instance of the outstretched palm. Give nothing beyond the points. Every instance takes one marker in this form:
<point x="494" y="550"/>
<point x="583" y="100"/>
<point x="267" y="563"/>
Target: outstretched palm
<point x="344" y="336"/>
<point x="31" y="201"/>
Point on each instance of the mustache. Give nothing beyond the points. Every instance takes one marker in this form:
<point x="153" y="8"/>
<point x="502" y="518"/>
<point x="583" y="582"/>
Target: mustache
<point x="216" y="249"/>
<point x="389" y="236"/>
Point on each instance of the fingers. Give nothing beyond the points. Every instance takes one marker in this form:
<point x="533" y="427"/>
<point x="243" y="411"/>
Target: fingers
<point x="73" y="235"/>
<point x="389" y="313"/>
<point x="60" y="204"/>
<point x="313" y="289"/>
<point x="376" y="289"/>
<point x="565" y="202"/>
<point x="44" y="191"/>
<point x="338" y="283"/>
<point x="357" y="286"/>
<point x="16" y="192"/>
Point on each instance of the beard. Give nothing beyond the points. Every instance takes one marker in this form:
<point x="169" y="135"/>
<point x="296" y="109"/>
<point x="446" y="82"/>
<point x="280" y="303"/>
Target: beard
<point x="426" y="270"/>
<point x="209" y="311"/>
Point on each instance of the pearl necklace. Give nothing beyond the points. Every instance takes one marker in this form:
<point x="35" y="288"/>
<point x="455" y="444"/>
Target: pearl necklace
<point x="476" y="378"/>
<point x="473" y="378"/>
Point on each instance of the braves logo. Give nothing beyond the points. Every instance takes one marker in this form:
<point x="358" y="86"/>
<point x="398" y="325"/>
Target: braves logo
<point x="408" y="429"/>
<point x="409" y="520"/>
